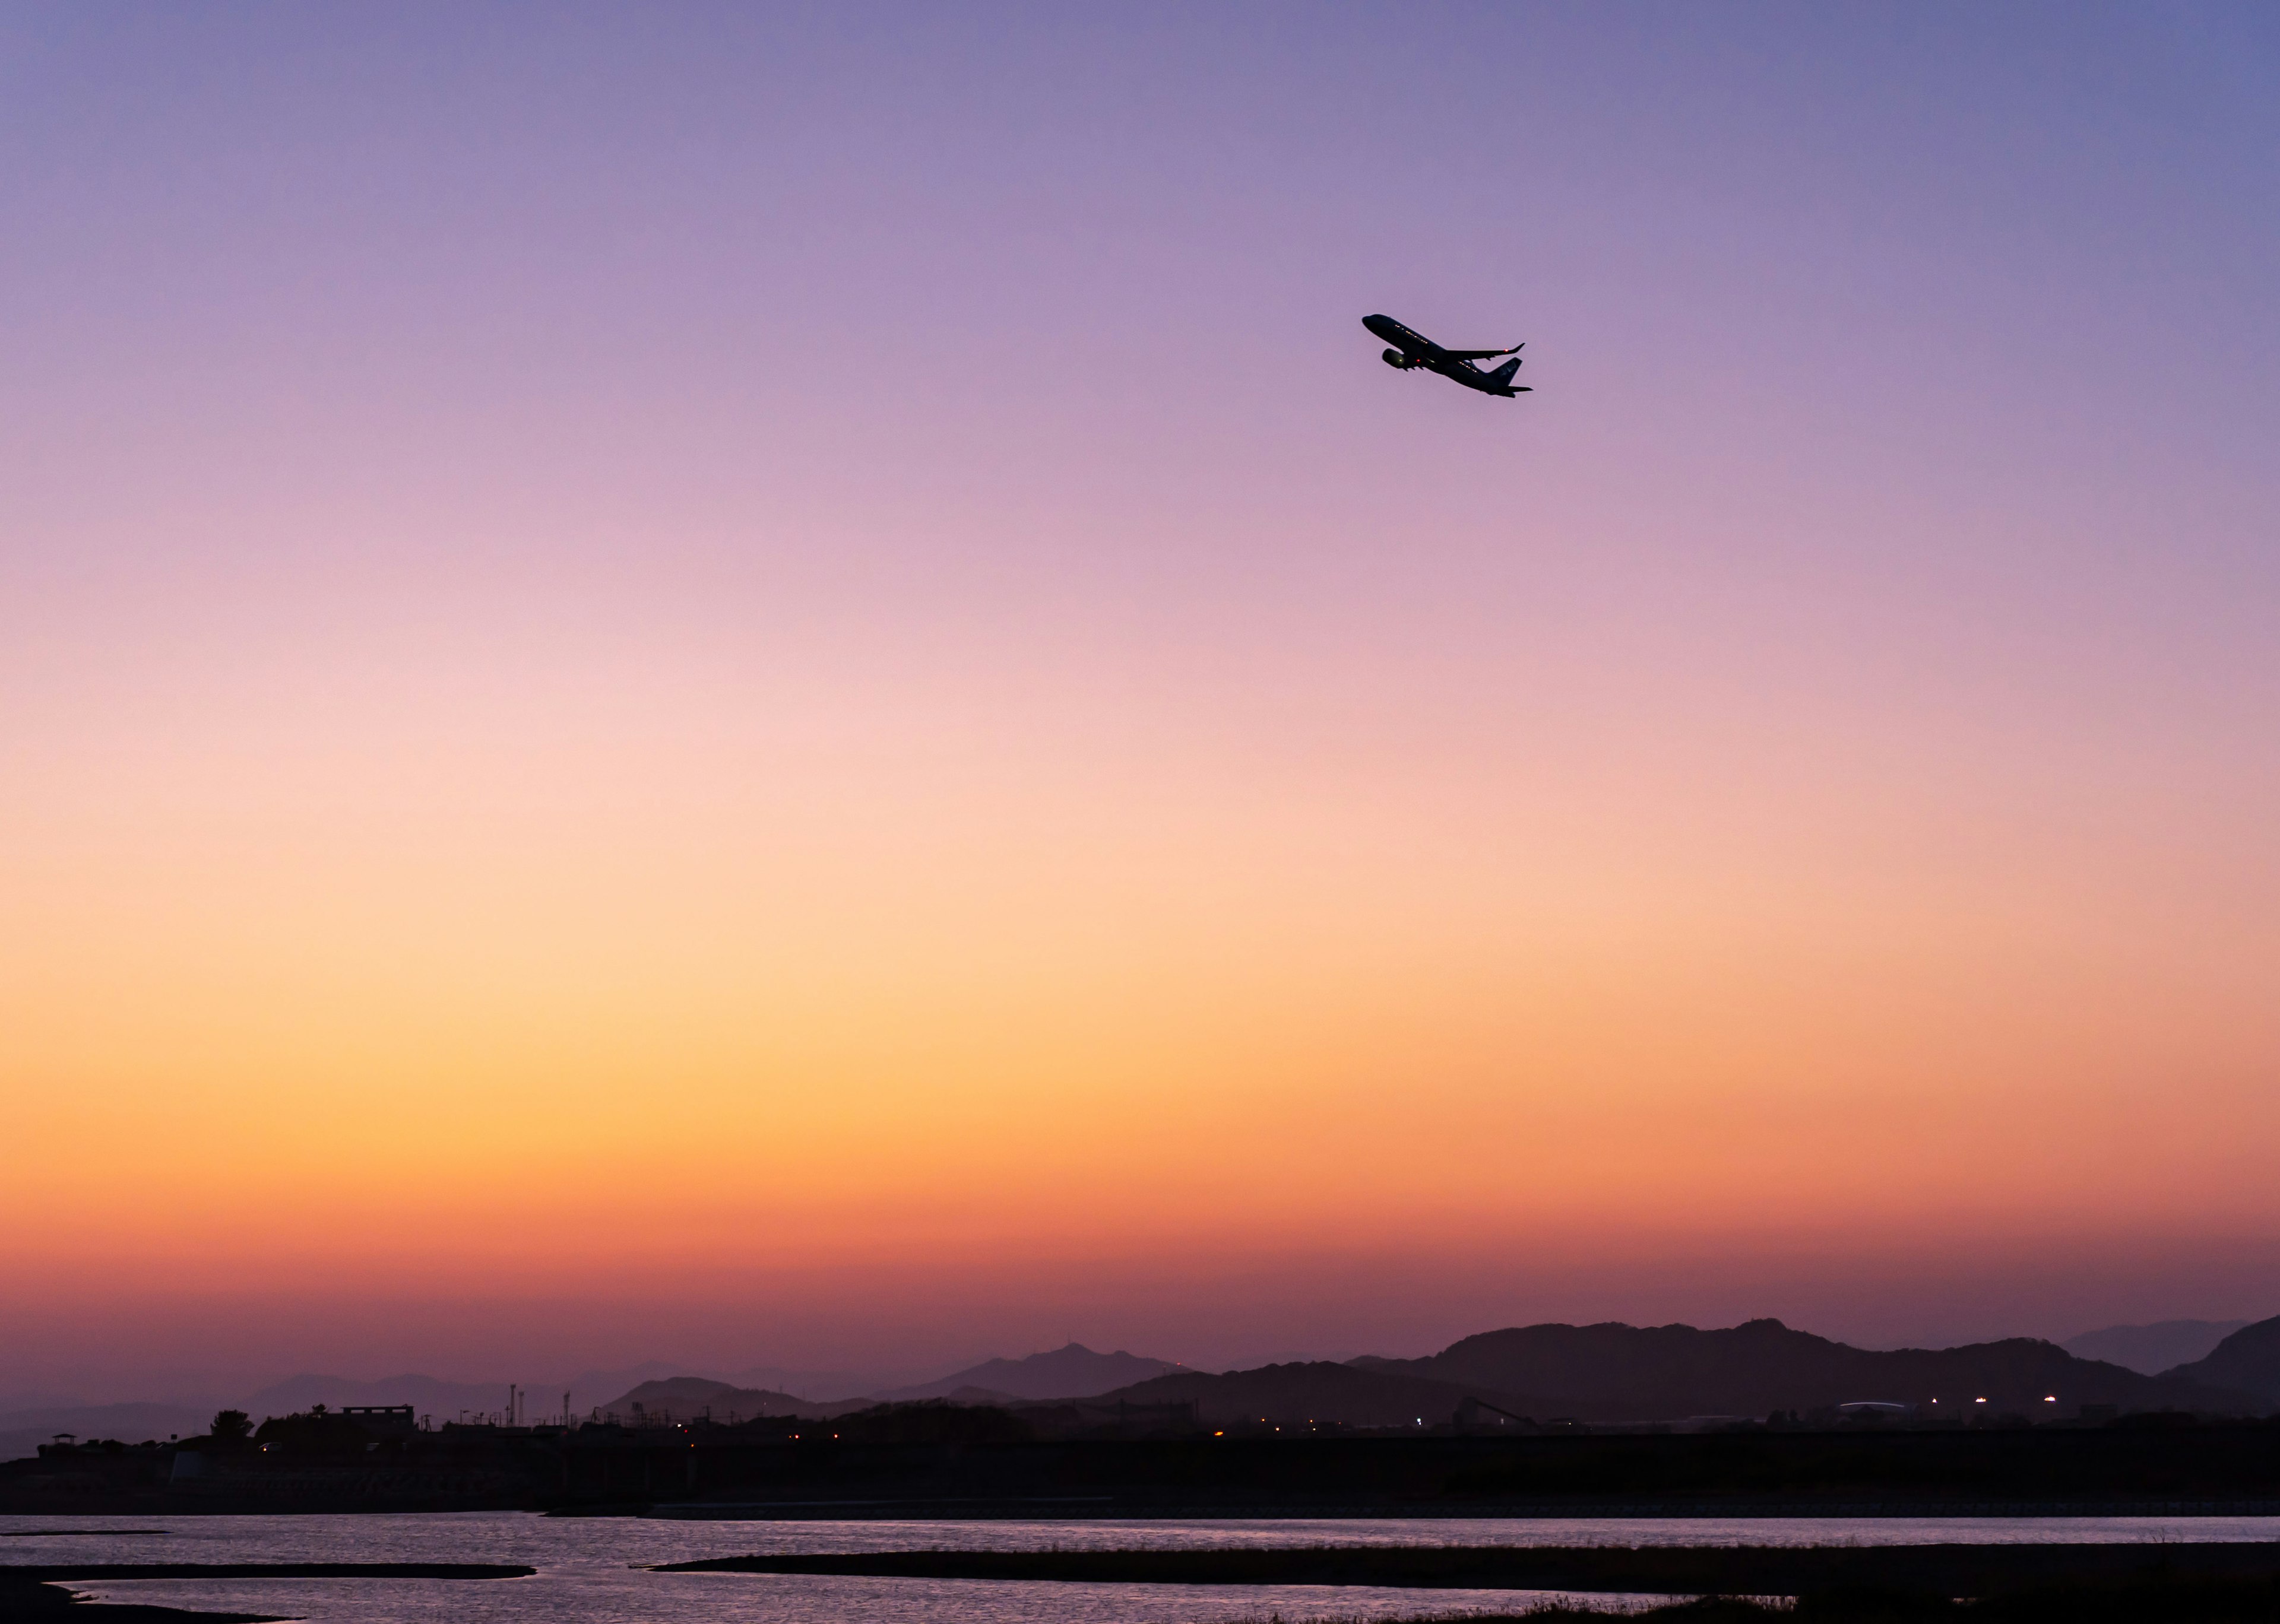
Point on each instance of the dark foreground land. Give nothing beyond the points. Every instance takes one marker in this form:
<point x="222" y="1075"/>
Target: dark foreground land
<point x="2039" y="1585"/>
<point x="25" y="1601"/>
<point x="2148" y="1602"/>
<point x="39" y="1594"/>
<point x="1990" y="1584"/>
<point x="951" y="1464"/>
<point x="1743" y="1570"/>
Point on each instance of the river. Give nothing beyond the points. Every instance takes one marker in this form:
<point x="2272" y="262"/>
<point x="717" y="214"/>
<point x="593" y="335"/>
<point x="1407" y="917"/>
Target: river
<point x="591" y="1570"/>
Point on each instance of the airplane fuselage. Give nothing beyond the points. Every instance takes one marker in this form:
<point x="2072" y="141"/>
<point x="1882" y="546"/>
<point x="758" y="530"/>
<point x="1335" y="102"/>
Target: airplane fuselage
<point x="1413" y="350"/>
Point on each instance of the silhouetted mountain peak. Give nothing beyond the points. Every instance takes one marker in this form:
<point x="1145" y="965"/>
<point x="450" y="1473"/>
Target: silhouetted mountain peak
<point x="1072" y="1372"/>
<point x="2248" y="1359"/>
<point x="685" y="1398"/>
<point x="1764" y="1327"/>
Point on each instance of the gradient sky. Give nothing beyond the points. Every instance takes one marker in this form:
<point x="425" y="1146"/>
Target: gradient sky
<point x="781" y="685"/>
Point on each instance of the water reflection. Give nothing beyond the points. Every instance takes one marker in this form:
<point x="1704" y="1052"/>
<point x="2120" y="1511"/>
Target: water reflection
<point x="591" y="1570"/>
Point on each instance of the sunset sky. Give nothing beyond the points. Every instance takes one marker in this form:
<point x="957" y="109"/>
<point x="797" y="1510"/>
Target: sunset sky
<point x="776" y="684"/>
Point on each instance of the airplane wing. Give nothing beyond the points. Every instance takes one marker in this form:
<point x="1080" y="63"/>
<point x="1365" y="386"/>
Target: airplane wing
<point x="1481" y="355"/>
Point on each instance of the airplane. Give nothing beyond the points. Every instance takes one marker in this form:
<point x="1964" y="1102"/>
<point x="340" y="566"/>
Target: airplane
<point x="1413" y="349"/>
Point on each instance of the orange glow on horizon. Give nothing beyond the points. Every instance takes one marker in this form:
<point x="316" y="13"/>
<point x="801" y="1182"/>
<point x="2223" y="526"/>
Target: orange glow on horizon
<point x="718" y="1000"/>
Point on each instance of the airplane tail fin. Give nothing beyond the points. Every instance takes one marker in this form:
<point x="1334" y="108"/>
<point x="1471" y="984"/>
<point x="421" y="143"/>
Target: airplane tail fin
<point x="1503" y="375"/>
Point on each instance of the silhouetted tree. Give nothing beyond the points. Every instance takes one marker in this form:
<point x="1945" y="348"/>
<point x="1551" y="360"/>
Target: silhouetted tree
<point x="232" y="1426"/>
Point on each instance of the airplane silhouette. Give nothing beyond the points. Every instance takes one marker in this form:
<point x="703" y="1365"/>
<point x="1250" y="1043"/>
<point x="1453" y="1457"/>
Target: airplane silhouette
<point x="1413" y="349"/>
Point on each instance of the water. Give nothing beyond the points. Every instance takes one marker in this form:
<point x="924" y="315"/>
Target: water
<point x="589" y="1570"/>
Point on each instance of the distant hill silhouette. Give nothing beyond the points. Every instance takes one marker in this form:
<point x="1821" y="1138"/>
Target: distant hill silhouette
<point x="2249" y="1359"/>
<point x="1290" y="1396"/>
<point x="1623" y="1372"/>
<point x="22" y="1431"/>
<point x="684" y="1398"/>
<point x="2152" y="1349"/>
<point x="589" y="1388"/>
<point x="443" y="1400"/>
<point x="1657" y="1373"/>
<point x="1072" y="1372"/>
<point x="827" y="1386"/>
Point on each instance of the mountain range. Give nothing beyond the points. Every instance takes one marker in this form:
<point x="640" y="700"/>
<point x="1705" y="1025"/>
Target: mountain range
<point x="1607" y="1373"/>
<point x="1072" y="1372"/>
<point x="1616" y="1372"/>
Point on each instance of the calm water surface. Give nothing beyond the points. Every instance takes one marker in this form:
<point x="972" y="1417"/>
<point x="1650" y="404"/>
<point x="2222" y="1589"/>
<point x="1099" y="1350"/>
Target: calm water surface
<point x="589" y="1570"/>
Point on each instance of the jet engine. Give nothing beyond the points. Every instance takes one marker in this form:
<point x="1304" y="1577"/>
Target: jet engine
<point x="1394" y="358"/>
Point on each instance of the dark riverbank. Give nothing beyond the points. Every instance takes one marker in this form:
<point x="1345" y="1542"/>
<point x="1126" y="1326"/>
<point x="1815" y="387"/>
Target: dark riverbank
<point x="90" y="1573"/>
<point x="25" y="1600"/>
<point x="31" y="1592"/>
<point x="2178" y="1469"/>
<point x="48" y="1603"/>
<point x="1942" y="1570"/>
